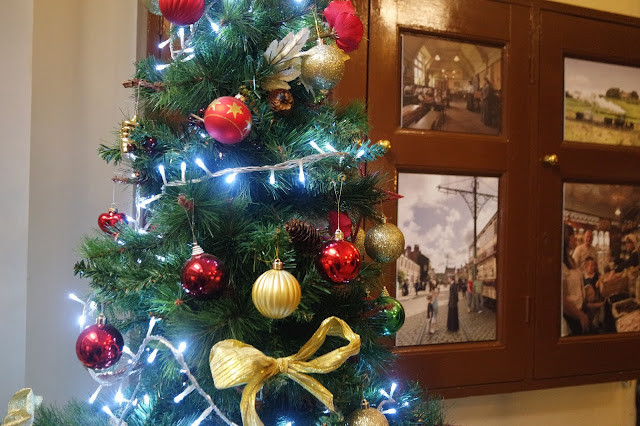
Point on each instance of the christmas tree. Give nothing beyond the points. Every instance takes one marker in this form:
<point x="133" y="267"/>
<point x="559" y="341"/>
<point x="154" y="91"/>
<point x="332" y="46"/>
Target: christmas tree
<point x="245" y="262"/>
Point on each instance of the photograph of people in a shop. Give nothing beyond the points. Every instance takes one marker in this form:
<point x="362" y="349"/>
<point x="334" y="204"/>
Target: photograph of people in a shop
<point x="600" y="259"/>
<point x="450" y="86"/>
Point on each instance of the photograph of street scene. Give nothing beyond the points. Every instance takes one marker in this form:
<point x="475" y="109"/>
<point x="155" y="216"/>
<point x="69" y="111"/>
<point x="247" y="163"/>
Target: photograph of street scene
<point x="451" y="86"/>
<point x="601" y="103"/>
<point x="600" y="259"/>
<point x="446" y="279"/>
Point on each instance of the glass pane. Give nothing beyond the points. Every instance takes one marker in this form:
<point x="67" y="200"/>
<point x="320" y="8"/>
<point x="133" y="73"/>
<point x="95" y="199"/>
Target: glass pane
<point x="447" y="296"/>
<point x="600" y="259"/>
<point x="450" y="86"/>
<point x="601" y="103"/>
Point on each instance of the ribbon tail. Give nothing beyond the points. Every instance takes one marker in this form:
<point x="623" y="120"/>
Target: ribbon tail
<point x="248" y="401"/>
<point x="314" y="387"/>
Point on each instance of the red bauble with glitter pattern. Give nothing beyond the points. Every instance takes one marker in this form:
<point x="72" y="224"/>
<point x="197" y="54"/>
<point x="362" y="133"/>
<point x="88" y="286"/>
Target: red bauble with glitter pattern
<point x="182" y="12"/>
<point x="339" y="260"/>
<point x="107" y="221"/>
<point x="99" y="345"/>
<point x="227" y="120"/>
<point x="204" y="276"/>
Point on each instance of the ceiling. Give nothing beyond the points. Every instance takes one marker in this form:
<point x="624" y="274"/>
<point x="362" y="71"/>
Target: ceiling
<point x="440" y="54"/>
<point x="603" y="200"/>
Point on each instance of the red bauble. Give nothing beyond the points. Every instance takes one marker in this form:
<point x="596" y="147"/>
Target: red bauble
<point x="108" y="221"/>
<point x="99" y="345"/>
<point x="181" y="12"/>
<point x="339" y="260"/>
<point x="227" y="120"/>
<point x="203" y="275"/>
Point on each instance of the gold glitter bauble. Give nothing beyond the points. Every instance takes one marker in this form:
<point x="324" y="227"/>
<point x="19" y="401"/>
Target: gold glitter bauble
<point x="324" y="68"/>
<point x="359" y="241"/>
<point x="276" y="293"/>
<point x="367" y="417"/>
<point x="152" y="6"/>
<point x="384" y="242"/>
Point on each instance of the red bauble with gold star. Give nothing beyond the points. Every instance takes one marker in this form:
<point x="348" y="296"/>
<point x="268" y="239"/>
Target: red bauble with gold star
<point x="204" y="276"/>
<point x="107" y="221"/>
<point x="339" y="260"/>
<point x="100" y="345"/>
<point x="227" y="120"/>
<point x="181" y="12"/>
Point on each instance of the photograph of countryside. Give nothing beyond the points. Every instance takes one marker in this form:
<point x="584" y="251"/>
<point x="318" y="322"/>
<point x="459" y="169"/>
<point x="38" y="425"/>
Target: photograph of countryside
<point x="601" y="103"/>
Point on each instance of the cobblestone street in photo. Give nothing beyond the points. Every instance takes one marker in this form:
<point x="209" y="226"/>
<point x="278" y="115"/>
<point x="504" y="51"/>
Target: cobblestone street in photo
<point x="474" y="326"/>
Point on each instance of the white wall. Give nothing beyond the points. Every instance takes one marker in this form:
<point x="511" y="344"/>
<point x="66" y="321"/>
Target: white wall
<point x="16" y="27"/>
<point x="82" y="52"/>
<point x="592" y="405"/>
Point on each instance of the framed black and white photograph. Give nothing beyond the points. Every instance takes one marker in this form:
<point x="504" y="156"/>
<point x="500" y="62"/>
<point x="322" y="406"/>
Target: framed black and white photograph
<point x="451" y="86"/>
<point x="601" y="103"/>
<point x="600" y="259"/>
<point x="447" y="279"/>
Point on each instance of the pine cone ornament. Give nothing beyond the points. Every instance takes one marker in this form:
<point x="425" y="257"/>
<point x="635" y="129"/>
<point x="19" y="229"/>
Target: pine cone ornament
<point x="280" y="100"/>
<point x="304" y="236"/>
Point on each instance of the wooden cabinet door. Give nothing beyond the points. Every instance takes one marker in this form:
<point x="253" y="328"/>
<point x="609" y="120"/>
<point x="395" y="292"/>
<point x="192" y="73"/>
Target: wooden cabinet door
<point x="497" y="145"/>
<point x="593" y="132"/>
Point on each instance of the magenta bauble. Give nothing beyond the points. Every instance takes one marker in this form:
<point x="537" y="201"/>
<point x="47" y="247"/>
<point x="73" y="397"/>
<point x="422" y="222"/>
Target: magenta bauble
<point x="204" y="276"/>
<point x="99" y="346"/>
<point x="227" y="120"/>
<point x="182" y="12"/>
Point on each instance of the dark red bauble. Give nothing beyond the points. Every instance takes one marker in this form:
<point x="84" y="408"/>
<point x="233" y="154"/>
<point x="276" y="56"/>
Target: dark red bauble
<point x="227" y="120"/>
<point x="204" y="276"/>
<point x="181" y="12"/>
<point x="99" y="346"/>
<point x="107" y="221"/>
<point x="338" y="261"/>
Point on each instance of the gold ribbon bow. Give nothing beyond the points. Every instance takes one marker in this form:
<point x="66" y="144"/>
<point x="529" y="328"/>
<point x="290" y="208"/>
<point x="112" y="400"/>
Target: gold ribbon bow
<point x="234" y="363"/>
<point x="21" y="408"/>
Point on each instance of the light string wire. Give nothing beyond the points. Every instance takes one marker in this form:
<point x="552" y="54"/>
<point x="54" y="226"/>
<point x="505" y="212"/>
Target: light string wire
<point x="134" y="365"/>
<point x="287" y="165"/>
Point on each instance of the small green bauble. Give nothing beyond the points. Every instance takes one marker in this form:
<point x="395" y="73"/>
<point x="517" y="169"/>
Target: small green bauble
<point x="392" y="311"/>
<point x="384" y="242"/>
<point x="367" y="416"/>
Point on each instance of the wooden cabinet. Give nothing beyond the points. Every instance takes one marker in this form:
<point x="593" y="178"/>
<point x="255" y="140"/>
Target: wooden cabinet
<point x="533" y="40"/>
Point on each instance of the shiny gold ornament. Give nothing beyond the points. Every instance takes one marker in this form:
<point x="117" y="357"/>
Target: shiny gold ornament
<point x="234" y="363"/>
<point x="152" y="6"/>
<point x="384" y="242"/>
<point x="22" y="406"/>
<point x="126" y="144"/>
<point x="359" y="241"/>
<point x="385" y="144"/>
<point x="323" y="68"/>
<point x="367" y="416"/>
<point x="276" y="293"/>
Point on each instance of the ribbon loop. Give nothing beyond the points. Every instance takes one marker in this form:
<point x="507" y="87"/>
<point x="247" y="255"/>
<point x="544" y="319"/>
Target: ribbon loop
<point x="21" y="408"/>
<point x="234" y="363"/>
